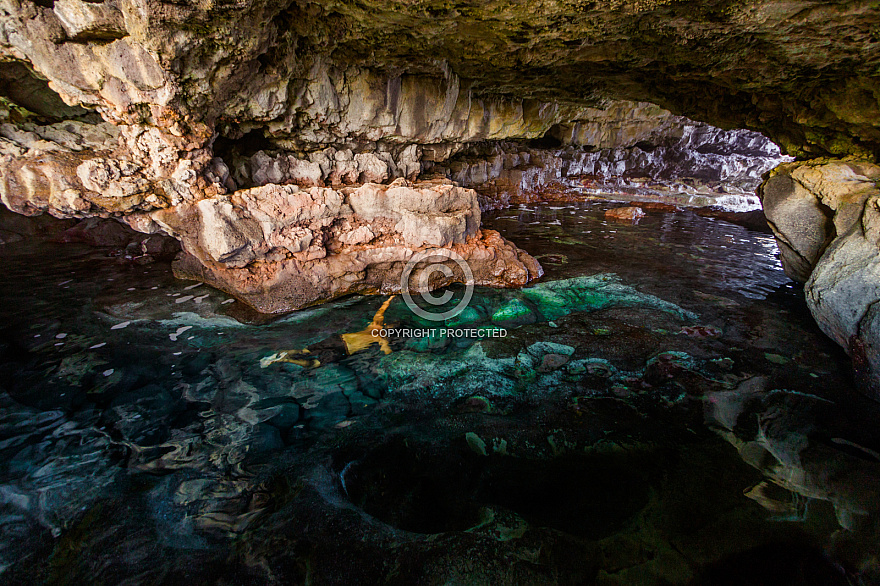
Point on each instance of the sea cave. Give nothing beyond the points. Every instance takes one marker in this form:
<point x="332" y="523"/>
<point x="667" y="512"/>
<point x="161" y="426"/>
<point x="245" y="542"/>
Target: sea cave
<point x="473" y="292"/>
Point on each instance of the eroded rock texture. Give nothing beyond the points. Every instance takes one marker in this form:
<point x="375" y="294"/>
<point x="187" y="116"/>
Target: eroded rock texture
<point x="283" y="247"/>
<point x="826" y="217"/>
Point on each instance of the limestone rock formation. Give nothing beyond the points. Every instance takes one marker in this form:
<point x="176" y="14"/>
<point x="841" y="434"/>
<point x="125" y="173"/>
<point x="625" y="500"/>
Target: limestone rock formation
<point x="625" y="214"/>
<point x="428" y="72"/>
<point x="284" y="247"/>
<point x="826" y="217"/>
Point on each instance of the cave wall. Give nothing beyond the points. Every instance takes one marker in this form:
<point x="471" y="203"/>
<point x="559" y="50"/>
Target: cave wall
<point x="825" y="214"/>
<point x="804" y="73"/>
<point x="688" y="162"/>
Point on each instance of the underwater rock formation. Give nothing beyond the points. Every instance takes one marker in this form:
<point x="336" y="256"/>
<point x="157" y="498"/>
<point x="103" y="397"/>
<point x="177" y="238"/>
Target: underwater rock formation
<point x="784" y="448"/>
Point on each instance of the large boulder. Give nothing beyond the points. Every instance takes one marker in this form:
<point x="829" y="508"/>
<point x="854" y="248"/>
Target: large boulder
<point x="280" y="248"/>
<point x="825" y="214"/>
<point x="188" y="102"/>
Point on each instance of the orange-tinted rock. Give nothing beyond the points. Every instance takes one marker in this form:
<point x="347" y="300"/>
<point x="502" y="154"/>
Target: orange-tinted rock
<point x="280" y="248"/>
<point x="627" y="214"/>
<point x="655" y="206"/>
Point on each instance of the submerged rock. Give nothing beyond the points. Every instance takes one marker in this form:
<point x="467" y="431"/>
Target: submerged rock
<point x="626" y="214"/>
<point x="514" y="313"/>
<point x="418" y="369"/>
<point x="786" y="447"/>
<point x="545" y="357"/>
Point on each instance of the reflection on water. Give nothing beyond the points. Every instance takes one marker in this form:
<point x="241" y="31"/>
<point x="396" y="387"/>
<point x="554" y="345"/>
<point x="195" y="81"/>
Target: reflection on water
<point x="659" y="409"/>
<point x="704" y="253"/>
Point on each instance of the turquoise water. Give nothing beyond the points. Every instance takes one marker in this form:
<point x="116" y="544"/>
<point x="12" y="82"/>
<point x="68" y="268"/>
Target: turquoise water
<point x="659" y="409"/>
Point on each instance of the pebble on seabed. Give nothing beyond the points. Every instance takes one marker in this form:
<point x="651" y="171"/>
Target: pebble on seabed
<point x="179" y="331"/>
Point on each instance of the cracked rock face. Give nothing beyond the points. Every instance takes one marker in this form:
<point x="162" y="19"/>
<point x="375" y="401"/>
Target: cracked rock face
<point x="284" y="247"/>
<point x="427" y="72"/>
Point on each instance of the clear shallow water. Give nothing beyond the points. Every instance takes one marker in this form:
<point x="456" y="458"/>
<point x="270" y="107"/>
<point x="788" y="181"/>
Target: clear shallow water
<point x="662" y="410"/>
<point x="676" y="194"/>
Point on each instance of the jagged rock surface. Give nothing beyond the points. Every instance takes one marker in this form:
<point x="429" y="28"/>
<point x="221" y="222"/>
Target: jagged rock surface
<point x="284" y="247"/>
<point x="426" y="71"/>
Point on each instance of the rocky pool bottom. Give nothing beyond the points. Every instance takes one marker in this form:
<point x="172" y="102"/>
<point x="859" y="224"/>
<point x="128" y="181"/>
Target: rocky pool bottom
<point x="661" y="410"/>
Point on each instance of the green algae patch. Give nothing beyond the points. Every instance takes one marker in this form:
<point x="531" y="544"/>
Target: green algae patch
<point x="543" y="302"/>
<point x="555" y="299"/>
<point x="468" y="316"/>
<point x="469" y="371"/>
<point x="514" y="312"/>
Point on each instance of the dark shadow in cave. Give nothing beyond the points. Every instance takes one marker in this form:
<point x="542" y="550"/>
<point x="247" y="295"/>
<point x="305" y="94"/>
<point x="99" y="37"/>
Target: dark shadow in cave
<point x="433" y="489"/>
